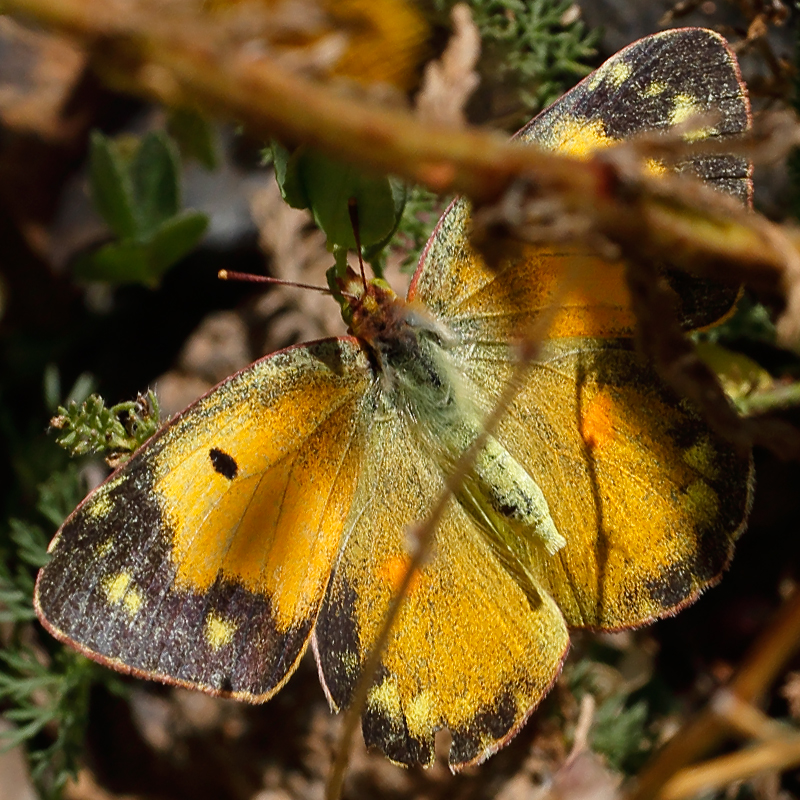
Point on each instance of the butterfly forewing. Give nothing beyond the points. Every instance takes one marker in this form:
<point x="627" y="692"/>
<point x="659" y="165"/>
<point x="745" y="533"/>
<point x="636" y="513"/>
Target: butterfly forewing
<point x="203" y="561"/>
<point x="648" y="87"/>
<point x="668" y="79"/>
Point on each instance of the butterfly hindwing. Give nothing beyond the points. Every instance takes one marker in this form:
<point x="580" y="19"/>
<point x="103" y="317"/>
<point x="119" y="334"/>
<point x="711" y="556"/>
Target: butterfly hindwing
<point x="649" y="500"/>
<point x="473" y="649"/>
<point x="203" y="561"/>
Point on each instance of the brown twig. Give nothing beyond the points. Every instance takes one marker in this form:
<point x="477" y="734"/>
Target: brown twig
<point x="719" y="772"/>
<point x="192" y="62"/>
<point x="760" y="668"/>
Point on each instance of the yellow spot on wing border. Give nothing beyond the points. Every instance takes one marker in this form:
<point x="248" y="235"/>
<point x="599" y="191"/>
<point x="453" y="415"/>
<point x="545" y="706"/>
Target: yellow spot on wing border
<point x="702" y="502"/>
<point x="116" y="586"/>
<point x="218" y="631"/>
<point x="100" y="505"/>
<point x="105" y="548"/>
<point x="684" y="107"/>
<point x="119" y="590"/>
<point x="133" y="602"/>
<point x="386" y="697"/>
<point x="419" y="711"/>
<point x="700" y="457"/>
<point x="618" y="72"/>
<point x="654" y="89"/>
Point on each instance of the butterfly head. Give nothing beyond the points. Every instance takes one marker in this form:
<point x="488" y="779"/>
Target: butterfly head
<point x="370" y="308"/>
<point x="389" y="325"/>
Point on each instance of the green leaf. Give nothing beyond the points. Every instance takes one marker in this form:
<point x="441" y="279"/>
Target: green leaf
<point x="58" y="497"/>
<point x="375" y="254"/>
<point x="330" y="185"/>
<point x="155" y="176"/>
<point x="111" y="187"/>
<point x="195" y="137"/>
<point x="116" y="262"/>
<point x="15" y="602"/>
<point x="30" y="539"/>
<point x="620" y="731"/>
<point x="118" y="430"/>
<point x="174" y="239"/>
<point x="287" y="174"/>
<point x="145" y="261"/>
<point x="420" y="213"/>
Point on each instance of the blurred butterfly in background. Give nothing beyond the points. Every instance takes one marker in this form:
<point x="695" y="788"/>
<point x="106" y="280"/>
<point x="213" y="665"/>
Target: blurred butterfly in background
<point x="273" y="512"/>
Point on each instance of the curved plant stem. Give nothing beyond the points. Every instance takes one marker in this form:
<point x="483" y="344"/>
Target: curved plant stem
<point x="189" y="60"/>
<point x="719" y="772"/>
<point x="766" y="659"/>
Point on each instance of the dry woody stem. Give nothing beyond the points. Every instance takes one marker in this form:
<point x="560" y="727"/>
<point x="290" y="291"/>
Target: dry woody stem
<point x="185" y="59"/>
<point x="665" y="777"/>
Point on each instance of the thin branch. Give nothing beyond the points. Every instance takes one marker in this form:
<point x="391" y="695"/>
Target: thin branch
<point x="745" y="719"/>
<point x="719" y="772"/>
<point x="766" y="659"/>
<point x="182" y="60"/>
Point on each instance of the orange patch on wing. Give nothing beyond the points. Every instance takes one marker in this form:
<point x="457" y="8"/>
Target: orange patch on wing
<point x="597" y="426"/>
<point x="599" y="305"/>
<point x="393" y="570"/>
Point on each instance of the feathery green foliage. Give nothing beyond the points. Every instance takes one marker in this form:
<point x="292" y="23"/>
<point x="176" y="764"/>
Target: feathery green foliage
<point x="531" y="49"/>
<point x="44" y="690"/>
<point x="92" y="428"/>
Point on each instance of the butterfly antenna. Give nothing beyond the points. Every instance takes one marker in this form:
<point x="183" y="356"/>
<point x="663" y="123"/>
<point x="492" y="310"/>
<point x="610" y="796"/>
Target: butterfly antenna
<point x="247" y="277"/>
<point x="352" y="210"/>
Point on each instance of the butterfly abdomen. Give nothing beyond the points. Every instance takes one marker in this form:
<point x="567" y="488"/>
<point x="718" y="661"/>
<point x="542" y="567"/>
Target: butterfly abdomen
<point x="424" y="384"/>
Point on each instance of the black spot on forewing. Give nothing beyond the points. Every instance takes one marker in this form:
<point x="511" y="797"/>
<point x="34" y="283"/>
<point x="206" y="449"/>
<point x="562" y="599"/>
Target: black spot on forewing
<point x="223" y="463"/>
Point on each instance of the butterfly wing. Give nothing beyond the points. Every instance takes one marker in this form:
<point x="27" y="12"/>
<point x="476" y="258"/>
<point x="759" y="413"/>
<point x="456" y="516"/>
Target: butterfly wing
<point x="648" y="499"/>
<point x="473" y="650"/>
<point x="649" y="86"/>
<point x="203" y="561"/>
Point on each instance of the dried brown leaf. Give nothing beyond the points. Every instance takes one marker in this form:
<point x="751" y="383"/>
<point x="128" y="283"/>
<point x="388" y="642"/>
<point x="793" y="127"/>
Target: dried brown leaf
<point x="38" y="71"/>
<point x="449" y="81"/>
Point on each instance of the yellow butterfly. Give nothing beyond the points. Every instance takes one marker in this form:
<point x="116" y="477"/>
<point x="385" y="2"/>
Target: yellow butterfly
<point x="273" y="512"/>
